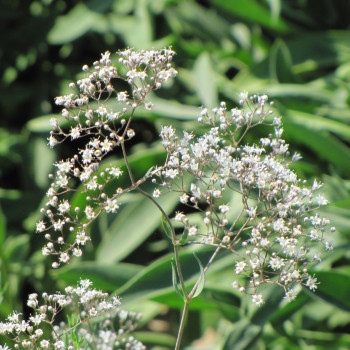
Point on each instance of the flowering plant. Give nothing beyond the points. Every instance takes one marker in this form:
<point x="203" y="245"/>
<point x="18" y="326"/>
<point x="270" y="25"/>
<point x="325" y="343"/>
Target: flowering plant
<point x="271" y="228"/>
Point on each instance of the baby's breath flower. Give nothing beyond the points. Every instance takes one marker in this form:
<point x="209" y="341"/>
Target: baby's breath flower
<point x="111" y="205"/>
<point x="219" y="162"/>
<point x="122" y="96"/>
<point x="271" y="228"/>
<point x="257" y="299"/>
<point x="156" y="193"/>
<point x="115" y="172"/>
<point x="40" y="226"/>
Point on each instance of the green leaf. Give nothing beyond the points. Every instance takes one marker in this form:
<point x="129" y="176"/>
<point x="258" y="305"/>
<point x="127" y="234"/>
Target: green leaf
<point x="166" y="228"/>
<point x="315" y="122"/>
<point x="204" y="81"/>
<point x="184" y="236"/>
<point x="158" y="339"/>
<point x="242" y="335"/>
<point x="254" y="12"/>
<point x="42" y="124"/>
<point x="105" y="277"/>
<point x="275" y="8"/>
<point x="155" y="279"/>
<point x="77" y="22"/>
<point x="201" y="278"/>
<point x="175" y="279"/>
<point x="17" y="248"/>
<point x="137" y="29"/>
<point x="334" y="288"/>
<point x="42" y="159"/>
<point x="280" y="63"/>
<point x="326" y="146"/>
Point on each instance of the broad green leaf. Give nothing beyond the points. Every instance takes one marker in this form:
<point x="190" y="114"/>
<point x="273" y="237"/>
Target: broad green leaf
<point x="17" y="248"/>
<point x="43" y="158"/>
<point x="75" y="24"/>
<point x="304" y="91"/>
<point x="99" y="6"/>
<point x="42" y="124"/>
<point x="254" y="12"/>
<point x="205" y="301"/>
<point x="333" y="288"/>
<point x="105" y="277"/>
<point x="275" y="8"/>
<point x="318" y="49"/>
<point x="241" y="336"/>
<point x="133" y="224"/>
<point x="273" y="296"/>
<point x="159" y="340"/>
<point x="242" y="34"/>
<point x="8" y="143"/>
<point x="203" y="75"/>
<point x="326" y="146"/>
<point x="339" y="216"/>
<point x="136" y="30"/>
<point x="286" y="311"/>
<point x="315" y="122"/>
<point x="189" y="18"/>
<point x="280" y="63"/>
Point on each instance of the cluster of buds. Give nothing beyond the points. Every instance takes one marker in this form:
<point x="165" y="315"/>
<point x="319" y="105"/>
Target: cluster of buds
<point x="89" y="308"/>
<point x="103" y="129"/>
<point x="273" y="236"/>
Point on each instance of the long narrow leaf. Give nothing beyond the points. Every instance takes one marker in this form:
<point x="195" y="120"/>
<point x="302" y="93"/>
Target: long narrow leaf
<point x="201" y="278"/>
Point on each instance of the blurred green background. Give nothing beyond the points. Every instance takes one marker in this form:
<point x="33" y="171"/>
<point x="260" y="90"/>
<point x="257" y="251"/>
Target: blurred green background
<point x="296" y="51"/>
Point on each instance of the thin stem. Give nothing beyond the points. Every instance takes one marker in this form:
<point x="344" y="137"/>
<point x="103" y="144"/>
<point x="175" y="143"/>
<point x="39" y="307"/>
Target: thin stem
<point x="127" y="164"/>
<point x="174" y="241"/>
<point x="182" y="325"/>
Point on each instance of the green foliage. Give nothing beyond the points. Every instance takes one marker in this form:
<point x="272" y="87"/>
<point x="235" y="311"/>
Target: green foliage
<point x="297" y="52"/>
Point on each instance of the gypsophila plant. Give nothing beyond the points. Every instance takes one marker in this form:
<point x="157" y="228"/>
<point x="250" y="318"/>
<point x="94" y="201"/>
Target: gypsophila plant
<point x="277" y="235"/>
<point x="104" y="131"/>
<point x="95" y="322"/>
<point x="273" y="239"/>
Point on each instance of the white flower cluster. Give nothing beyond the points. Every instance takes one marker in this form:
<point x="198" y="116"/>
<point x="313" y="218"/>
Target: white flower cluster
<point x="276" y="233"/>
<point x="273" y="235"/>
<point x="88" y="305"/>
<point x="103" y="130"/>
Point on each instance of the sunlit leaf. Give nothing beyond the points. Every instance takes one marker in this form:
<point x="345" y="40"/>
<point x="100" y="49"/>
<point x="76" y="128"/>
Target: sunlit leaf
<point x="205" y="81"/>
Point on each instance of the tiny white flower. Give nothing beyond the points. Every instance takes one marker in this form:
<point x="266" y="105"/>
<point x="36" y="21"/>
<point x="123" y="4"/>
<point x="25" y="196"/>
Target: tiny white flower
<point x="52" y="141"/>
<point x="64" y="207"/>
<point x="106" y="145"/>
<point x="312" y="283"/>
<point x="184" y="198"/>
<point x="192" y="231"/>
<point x="257" y="299"/>
<point x="40" y="226"/>
<point x="111" y="205"/>
<point x="179" y="216"/>
<point x="224" y="208"/>
<point x="290" y="295"/>
<point x="122" y="96"/>
<point x="115" y="172"/>
<point x="156" y="193"/>
<point x="240" y="267"/>
<point x="75" y="133"/>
